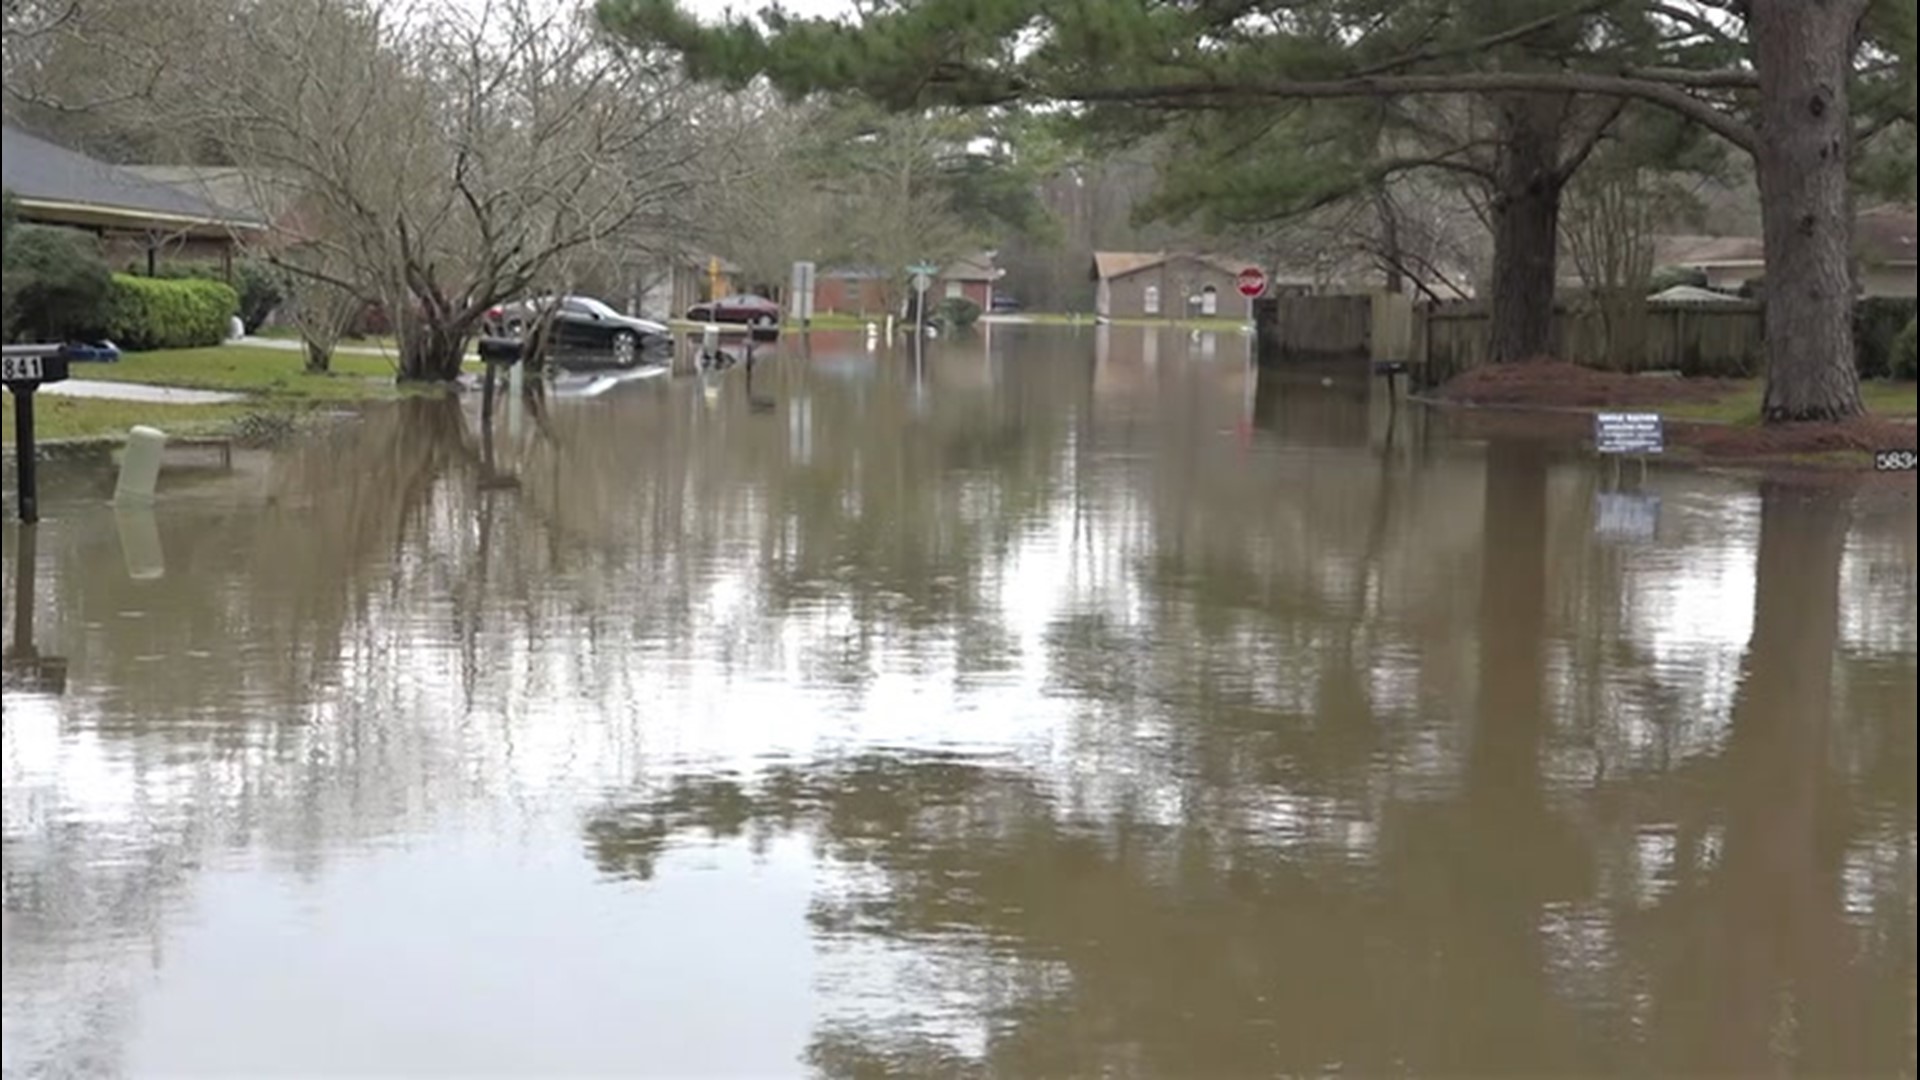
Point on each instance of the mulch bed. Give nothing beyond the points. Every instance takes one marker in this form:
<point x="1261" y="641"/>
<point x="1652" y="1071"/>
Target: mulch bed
<point x="1558" y="390"/>
<point x="1557" y="384"/>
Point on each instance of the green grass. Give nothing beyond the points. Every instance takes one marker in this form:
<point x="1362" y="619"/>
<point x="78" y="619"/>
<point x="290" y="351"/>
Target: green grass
<point x="289" y="333"/>
<point x="56" y="417"/>
<point x="1883" y="397"/>
<point x="269" y="373"/>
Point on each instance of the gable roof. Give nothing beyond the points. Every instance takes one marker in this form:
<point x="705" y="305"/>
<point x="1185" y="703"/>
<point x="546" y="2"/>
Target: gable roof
<point x="56" y="184"/>
<point x="257" y="194"/>
<point x="1882" y="236"/>
<point x="975" y="267"/>
<point x="1116" y="264"/>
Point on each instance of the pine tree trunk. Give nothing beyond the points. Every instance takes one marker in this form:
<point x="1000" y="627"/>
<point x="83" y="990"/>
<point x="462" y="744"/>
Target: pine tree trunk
<point x="1802" y="52"/>
<point x="1526" y="226"/>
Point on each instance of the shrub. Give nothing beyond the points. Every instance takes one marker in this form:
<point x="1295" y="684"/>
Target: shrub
<point x="1904" y="363"/>
<point x="261" y="293"/>
<point x="156" y="313"/>
<point x="56" y="287"/>
<point x="1877" y="323"/>
<point x="957" y="312"/>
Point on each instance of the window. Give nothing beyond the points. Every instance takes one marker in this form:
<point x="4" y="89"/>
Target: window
<point x="1209" y="301"/>
<point x="955" y="290"/>
<point x="1150" y="300"/>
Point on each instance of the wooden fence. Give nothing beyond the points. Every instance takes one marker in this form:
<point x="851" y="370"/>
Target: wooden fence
<point x="1358" y="326"/>
<point x="1719" y="339"/>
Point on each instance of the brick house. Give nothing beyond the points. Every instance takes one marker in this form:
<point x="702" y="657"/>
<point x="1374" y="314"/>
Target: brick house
<point x="863" y="290"/>
<point x="139" y="221"/>
<point x="1177" y="285"/>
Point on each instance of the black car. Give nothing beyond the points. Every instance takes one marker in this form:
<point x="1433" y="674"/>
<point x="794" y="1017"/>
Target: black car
<point x="582" y="327"/>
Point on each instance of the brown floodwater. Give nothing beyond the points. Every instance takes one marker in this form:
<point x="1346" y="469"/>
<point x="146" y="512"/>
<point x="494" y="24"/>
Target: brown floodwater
<point x="1066" y="702"/>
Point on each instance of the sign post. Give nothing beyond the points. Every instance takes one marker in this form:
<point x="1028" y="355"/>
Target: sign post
<point x="24" y="369"/>
<point x="922" y="281"/>
<point x="1629" y="434"/>
<point x="801" y="303"/>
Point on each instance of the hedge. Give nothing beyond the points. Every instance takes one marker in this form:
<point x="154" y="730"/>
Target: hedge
<point x="153" y="313"/>
<point x="55" y="284"/>
<point x="1904" y="361"/>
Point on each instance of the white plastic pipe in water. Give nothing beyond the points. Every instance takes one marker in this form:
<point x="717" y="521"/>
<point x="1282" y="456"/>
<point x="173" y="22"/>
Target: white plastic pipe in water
<point x="140" y="543"/>
<point x="140" y="467"/>
<point x="710" y="343"/>
<point x="516" y="389"/>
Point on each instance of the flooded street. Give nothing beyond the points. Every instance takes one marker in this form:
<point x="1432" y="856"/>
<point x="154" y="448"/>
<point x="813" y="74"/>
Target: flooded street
<point x="1065" y="704"/>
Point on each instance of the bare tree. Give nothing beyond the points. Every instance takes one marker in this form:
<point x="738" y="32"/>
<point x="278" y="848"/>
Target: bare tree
<point x="452" y="156"/>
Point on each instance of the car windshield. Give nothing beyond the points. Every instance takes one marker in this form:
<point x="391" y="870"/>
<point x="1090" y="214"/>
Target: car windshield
<point x="589" y="306"/>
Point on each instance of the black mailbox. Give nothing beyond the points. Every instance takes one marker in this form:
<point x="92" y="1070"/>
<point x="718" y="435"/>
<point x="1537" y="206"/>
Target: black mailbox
<point x="502" y="350"/>
<point x="25" y="367"/>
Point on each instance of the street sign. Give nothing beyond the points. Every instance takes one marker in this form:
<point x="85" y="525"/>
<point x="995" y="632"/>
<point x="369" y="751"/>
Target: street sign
<point x="1628" y="433"/>
<point x="922" y="282"/>
<point x="1252" y="281"/>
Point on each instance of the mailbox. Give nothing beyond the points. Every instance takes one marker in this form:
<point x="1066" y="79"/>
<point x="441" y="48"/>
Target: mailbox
<point x="24" y="369"/>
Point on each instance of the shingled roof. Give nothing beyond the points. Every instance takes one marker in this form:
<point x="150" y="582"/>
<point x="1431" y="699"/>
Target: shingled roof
<point x="52" y="183"/>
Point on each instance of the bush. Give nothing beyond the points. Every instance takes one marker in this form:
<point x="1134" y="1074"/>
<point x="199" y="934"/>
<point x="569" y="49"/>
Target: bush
<point x="1904" y="363"/>
<point x="261" y="294"/>
<point x="1877" y="324"/>
<point x="957" y="312"/>
<point x="56" y="287"/>
<point x="156" y="313"/>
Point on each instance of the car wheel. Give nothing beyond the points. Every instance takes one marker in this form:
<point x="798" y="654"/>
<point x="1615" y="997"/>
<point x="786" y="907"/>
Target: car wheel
<point x="626" y="348"/>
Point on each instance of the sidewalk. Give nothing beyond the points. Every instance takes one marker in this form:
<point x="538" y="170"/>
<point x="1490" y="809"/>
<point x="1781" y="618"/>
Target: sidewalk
<point x="142" y="392"/>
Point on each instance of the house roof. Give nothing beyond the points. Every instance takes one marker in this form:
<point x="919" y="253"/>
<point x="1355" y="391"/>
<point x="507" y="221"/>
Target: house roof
<point x="1117" y="264"/>
<point x="258" y="194"/>
<point x="1708" y="251"/>
<point x="53" y="183"/>
<point x="1693" y="294"/>
<point x="975" y="267"/>
<point x="1882" y="236"/>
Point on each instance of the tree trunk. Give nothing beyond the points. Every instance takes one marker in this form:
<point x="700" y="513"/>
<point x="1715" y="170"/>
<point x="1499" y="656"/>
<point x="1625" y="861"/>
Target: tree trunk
<point x="1802" y="51"/>
<point x="432" y="352"/>
<point x="1526" y="225"/>
<point x="319" y="356"/>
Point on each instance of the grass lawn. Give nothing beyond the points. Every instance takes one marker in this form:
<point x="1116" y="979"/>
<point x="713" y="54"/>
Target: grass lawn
<point x="56" y="417"/>
<point x="273" y="380"/>
<point x="1883" y="397"/>
<point x="271" y="373"/>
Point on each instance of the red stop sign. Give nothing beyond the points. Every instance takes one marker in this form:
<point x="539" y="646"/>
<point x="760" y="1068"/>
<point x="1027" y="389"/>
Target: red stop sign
<point x="1252" y="281"/>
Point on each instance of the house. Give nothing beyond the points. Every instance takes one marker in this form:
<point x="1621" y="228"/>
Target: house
<point x="972" y="277"/>
<point x="140" y="221"/>
<point x="863" y="290"/>
<point x="664" y="285"/>
<point x="850" y="290"/>
<point x="1883" y="245"/>
<point x="1163" y="285"/>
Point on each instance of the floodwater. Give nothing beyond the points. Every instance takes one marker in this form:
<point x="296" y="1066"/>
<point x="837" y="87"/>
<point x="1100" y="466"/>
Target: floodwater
<point x="1064" y="703"/>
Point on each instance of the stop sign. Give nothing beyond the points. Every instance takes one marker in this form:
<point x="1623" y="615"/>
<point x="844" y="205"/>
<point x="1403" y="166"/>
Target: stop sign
<point x="1252" y="281"/>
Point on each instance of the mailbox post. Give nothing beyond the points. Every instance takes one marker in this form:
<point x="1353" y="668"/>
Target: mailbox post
<point x="24" y="369"/>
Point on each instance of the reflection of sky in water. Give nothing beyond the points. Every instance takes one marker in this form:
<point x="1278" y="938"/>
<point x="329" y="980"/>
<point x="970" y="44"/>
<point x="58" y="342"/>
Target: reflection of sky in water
<point x="465" y="770"/>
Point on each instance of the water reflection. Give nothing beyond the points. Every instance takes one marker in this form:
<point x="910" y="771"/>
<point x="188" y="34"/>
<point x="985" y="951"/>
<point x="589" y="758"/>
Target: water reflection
<point x="1054" y="729"/>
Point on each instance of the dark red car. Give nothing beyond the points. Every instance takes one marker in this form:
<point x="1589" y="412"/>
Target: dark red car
<point x="751" y="310"/>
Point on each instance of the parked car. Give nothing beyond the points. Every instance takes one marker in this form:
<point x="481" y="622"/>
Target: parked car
<point x="582" y="325"/>
<point x="752" y="310"/>
<point x="1004" y="304"/>
<point x="102" y="352"/>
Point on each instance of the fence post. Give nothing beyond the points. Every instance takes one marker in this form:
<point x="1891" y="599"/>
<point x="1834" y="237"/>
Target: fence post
<point x="1266" y="331"/>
